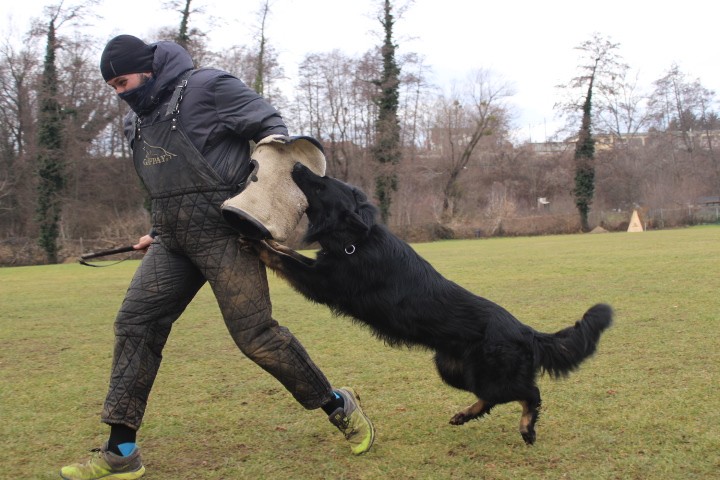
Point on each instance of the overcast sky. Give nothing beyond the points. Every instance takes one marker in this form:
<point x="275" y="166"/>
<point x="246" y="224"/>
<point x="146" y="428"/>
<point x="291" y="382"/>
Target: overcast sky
<point x="528" y="43"/>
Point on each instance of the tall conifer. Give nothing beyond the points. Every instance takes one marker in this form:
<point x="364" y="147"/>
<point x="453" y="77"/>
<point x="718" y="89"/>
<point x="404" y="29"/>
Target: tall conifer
<point x="51" y="171"/>
<point x="386" y="150"/>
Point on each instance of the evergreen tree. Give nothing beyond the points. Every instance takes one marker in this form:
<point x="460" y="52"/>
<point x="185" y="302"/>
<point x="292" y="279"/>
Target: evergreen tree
<point x="51" y="171"/>
<point x="386" y="150"/>
<point x="584" y="162"/>
<point x="183" y="36"/>
<point x="259" y="82"/>
<point x="600" y="66"/>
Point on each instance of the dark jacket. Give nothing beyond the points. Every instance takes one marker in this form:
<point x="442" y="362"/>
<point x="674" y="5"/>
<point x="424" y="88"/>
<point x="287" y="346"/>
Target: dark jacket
<point x="218" y="112"/>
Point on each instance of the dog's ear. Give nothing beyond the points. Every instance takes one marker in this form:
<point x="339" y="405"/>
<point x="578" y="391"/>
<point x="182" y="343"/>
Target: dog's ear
<point x="367" y="213"/>
<point x="364" y="209"/>
<point x="356" y="222"/>
<point x="360" y="196"/>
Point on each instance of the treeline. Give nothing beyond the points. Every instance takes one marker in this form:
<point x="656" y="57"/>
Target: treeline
<point x="457" y="168"/>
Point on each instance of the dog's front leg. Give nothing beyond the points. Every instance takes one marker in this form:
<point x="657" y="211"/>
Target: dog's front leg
<point x="294" y="267"/>
<point x="267" y="255"/>
<point x="272" y="253"/>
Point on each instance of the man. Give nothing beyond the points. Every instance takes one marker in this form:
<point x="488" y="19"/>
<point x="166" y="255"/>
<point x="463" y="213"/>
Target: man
<point x="190" y="133"/>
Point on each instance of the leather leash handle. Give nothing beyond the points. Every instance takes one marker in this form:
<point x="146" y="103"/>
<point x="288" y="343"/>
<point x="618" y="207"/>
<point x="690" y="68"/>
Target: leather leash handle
<point x="104" y="253"/>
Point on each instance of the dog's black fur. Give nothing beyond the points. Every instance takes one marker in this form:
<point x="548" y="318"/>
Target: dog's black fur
<point x="365" y="272"/>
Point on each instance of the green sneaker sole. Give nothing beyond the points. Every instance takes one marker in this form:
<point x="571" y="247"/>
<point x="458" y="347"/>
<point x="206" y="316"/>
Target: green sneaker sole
<point x="368" y="442"/>
<point x="116" y="476"/>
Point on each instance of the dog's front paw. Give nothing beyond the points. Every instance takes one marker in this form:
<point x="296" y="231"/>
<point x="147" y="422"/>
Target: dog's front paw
<point x="249" y="244"/>
<point x="267" y="254"/>
<point x="252" y="245"/>
<point x="260" y="248"/>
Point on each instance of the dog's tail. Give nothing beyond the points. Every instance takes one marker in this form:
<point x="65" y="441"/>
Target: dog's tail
<point x="560" y="353"/>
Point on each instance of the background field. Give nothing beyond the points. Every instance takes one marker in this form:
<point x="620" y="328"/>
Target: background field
<point x="645" y="407"/>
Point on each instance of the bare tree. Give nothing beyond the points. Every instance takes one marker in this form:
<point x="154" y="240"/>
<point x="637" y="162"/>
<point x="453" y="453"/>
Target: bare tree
<point x="334" y="103"/>
<point x="599" y="61"/>
<point x="680" y="105"/>
<point x="683" y="114"/>
<point x="462" y="121"/>
<point x="415" y="98"/>
<point x="336" y="74"/>
<point x="621" y="108"/>
<point x="310" y="99"/>
<point x="18" y="69"/>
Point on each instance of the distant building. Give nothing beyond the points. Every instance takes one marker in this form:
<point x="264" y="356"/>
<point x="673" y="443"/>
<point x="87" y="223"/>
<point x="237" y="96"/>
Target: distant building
<point x="692" y="139"/>
<point x="709" y="201"/>
<point x="552" y="148"/>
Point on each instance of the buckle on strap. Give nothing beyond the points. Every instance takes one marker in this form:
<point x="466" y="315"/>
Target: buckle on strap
<point x="177" y="96"/>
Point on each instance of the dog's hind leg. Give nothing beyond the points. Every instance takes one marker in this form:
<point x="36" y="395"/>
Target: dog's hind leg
<point x="530" y="414"/>
<point x="452" y="371"/>
<point x="476" y="410"/>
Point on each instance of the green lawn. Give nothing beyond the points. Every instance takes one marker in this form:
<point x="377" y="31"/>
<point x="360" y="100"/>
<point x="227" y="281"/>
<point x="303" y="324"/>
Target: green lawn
<point x="645" y="407"/>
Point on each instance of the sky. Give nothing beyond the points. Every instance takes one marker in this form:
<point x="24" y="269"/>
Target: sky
<point x="526" y="43"/>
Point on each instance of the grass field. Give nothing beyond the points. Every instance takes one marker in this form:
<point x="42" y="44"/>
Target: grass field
<point x="645" y="407"/>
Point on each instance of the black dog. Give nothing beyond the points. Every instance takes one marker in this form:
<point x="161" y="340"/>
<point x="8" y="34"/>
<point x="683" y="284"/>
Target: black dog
<point x="365" y="272"/>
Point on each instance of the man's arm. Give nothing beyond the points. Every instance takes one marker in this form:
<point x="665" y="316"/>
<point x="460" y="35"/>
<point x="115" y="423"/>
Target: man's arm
<point x="246" y="113"/>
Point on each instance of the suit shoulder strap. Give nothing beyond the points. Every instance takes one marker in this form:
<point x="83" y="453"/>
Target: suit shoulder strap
<point x="173" y="107"/>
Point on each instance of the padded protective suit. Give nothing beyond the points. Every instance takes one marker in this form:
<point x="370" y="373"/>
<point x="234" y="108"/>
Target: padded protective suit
<point x="193" y="244"/>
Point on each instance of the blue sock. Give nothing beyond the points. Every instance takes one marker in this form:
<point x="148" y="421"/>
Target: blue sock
<point x="126" y="448"/>
<point x="333" y="404"/>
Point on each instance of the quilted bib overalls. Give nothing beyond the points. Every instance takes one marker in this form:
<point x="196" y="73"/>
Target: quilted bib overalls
<point x="194" y="245"/>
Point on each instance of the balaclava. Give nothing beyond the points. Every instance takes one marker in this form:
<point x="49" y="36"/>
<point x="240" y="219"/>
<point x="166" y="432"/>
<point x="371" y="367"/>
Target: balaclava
<point x="126" y="54"/>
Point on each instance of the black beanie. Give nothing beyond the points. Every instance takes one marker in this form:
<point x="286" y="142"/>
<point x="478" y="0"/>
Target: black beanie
<point x="126" y="54"/>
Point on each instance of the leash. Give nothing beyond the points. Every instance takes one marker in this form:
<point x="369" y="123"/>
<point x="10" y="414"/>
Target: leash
<point x="104" y="253"/>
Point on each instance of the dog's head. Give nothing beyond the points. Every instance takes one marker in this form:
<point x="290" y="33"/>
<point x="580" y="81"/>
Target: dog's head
<point x="339" y="214"/>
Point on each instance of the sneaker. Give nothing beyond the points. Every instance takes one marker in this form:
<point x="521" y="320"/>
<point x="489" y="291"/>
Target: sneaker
<point x="352" y="422"/>
<point x="107" y="466"/>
